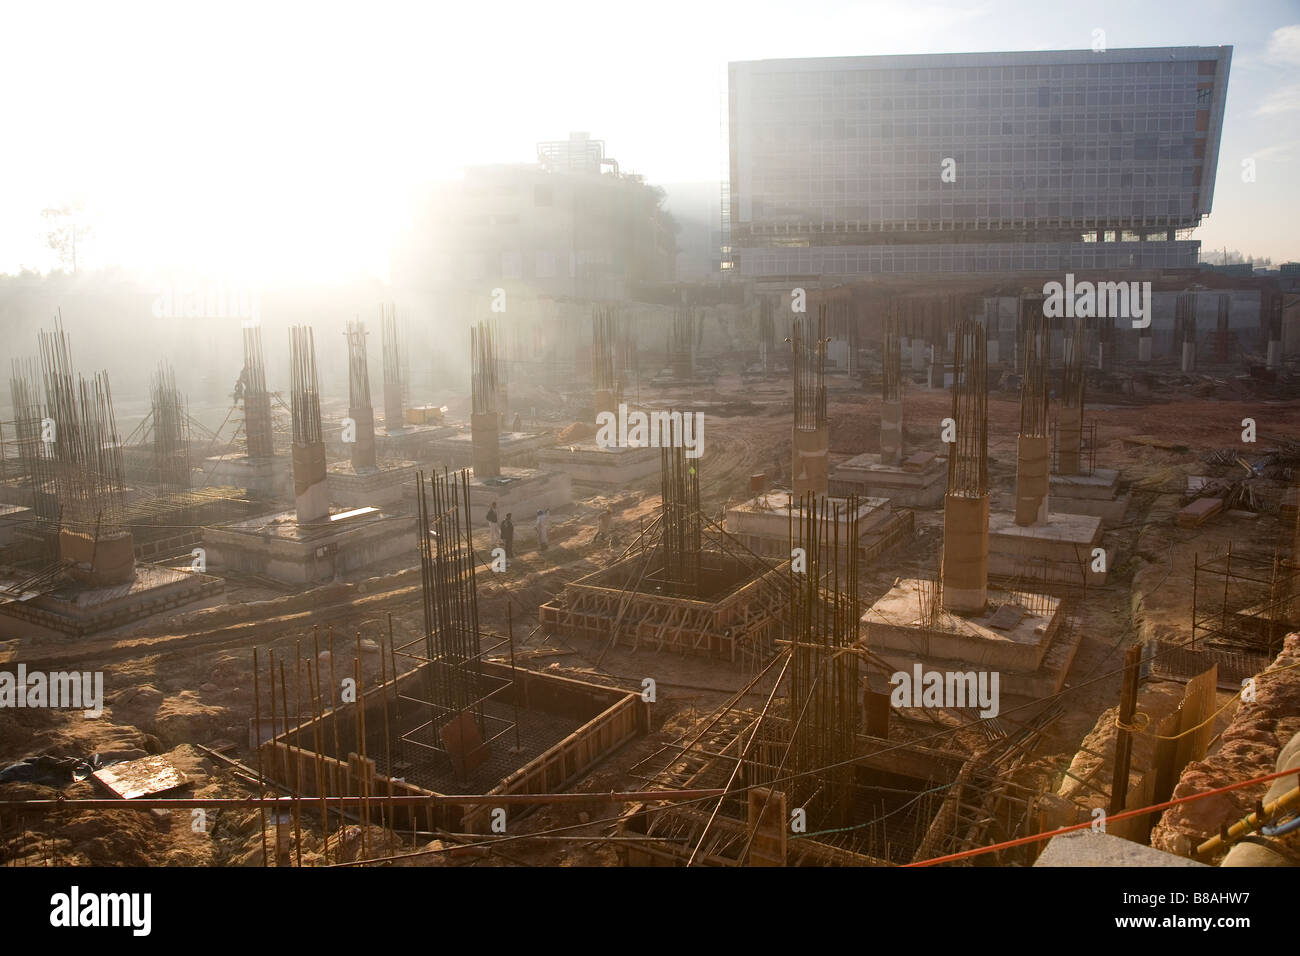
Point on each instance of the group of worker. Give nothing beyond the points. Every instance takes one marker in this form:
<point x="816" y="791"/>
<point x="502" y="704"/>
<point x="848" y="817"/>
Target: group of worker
<point x="502" y="532"/>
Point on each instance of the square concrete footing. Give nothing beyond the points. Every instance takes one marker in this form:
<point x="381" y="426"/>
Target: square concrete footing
<point x="762" y="524"/>
<point x="78" y="610"/>
<point x="590" y="466"/>
<point x="379" y="487"/>
<point x="1057" y="552"/>
<point x="265" y="477"/>
<point x="1018" y="635"/>
<point x="517" y="448"/>
<point x="411" y="442"/>
<point x="1095" y="494"/>
<point x="920" y="481"/>
<point x="276" y="546"/>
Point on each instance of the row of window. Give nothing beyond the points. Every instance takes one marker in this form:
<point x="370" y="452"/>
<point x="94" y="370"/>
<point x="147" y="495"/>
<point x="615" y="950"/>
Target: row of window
<point x="966" y="258"/>
<point x="866" y="76"/>
<point x="1042" y="97"/>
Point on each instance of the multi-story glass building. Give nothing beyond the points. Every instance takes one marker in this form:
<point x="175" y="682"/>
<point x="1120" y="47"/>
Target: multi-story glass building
<point x="973" y="163"/>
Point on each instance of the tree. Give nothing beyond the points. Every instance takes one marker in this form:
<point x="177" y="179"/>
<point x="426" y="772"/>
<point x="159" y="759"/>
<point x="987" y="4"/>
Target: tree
<point x="65" y="226"/>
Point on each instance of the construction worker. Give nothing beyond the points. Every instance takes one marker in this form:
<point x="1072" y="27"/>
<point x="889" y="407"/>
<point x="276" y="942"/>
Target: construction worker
<point x="542" y="519"/>
<point x="508" y="535"/>
<point x="602" y="527"/>
<point x="493" y="528"/>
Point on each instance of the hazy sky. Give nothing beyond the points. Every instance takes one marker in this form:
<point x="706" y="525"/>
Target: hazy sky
<point x="272" y="139"/>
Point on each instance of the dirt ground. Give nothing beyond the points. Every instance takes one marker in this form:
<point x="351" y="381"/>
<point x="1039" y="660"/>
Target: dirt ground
<point x="187" y="680"/>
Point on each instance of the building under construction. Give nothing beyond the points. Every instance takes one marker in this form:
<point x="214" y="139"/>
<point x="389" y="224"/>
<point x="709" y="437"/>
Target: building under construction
<point x="73" y="566"/>
<point x="313" y="542"/>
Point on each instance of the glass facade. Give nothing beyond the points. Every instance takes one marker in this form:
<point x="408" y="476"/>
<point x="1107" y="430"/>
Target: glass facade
<point x="854" y="150"/>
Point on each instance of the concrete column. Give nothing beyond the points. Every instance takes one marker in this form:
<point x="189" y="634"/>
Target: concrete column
<point x="393" y="415"/>
<point x="363" y="450"/>
<point x="992" y="351"/>
<point x="604" y="402"/>
<point x="1189" y="356"/>
<point x="918" y="355"/>
<point x="257" y="425"/>
<point x="1069" y="441"/>
<point x="891" y="433"/>
<point x="503" y="407"/>
<point x="810" y="469"/>
<point x="311" y="498"/>
<point x="485" y="447"/>
<point x="1144" y="348"/>
<point x="1033" y="460"/>
<point x="965" y="553"/>
<point x="1274" y="359"/>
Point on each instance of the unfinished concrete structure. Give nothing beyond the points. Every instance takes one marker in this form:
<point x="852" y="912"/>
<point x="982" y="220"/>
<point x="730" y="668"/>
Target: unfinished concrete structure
<point x="956" y="622"/>
<point x="683" y="585"/>
<point x="308" y="544"/>
<point x="165" y="514"/>
<point x="260" y="470"/>
<point x="517" y="491"/>
<point x="907" y="481"/>
<point x="763" y="524"/>
<point x="604" y="466"/>
<point x="78" y="572"/>
<point x="364" y="479"/>
<point x="824" y="751"/>
<point x="1077" y="485"/>
<point x="1032" y="542"/>
<point x="447" y="719"/>
<point x="810" y="435"/>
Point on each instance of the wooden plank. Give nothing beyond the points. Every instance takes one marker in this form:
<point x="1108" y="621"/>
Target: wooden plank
<point x="1198" y="512"/>
<point x="139" y="778"/>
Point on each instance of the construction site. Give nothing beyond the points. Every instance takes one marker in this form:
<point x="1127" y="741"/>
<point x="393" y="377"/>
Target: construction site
<point x="732" y="658"/>
<point x="863" y="549"/>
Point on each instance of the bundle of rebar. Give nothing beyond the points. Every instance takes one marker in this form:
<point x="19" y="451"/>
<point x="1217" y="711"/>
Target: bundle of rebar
<point x="968" y="456"/>
<point x="34" y="457"/>
<point x="170" y="431"/>
<point x="1185" y="319"/>
<point x="257" y="402"/>
<point x="891" y="357"/>
<point x="453" y="643"/>
<point x="483" y="368"/>
<point x="680" y="522"/>
<point x="358" y="366"/>
<point x="822" y="623"/>
<point x="86" y="449"/>
<point x="304" y="393"/>
<point x="394" y="378"/>
<point x="626" y="361"/>
<point x="1073" y="379"/>
<point x="1035" y="397"/>
<point x="808" y="363"/>
<point x="604" y="333"/>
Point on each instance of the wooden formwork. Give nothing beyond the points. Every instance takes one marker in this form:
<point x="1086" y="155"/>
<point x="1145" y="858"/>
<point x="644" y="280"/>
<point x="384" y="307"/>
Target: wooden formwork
<point x="595" y="606"/>
<point x="293" y="760"/>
